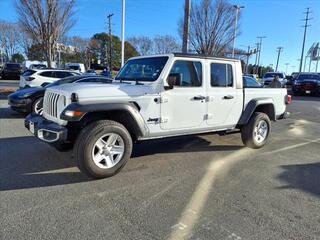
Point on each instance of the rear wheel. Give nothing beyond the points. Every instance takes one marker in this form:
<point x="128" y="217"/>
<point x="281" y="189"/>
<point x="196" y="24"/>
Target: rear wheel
<point x="255" y="134"/>
<point x="37" y="106"/>
<point x="103" y="148"/>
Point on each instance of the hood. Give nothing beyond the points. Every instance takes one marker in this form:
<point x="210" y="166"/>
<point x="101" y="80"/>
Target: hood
<point x="95" y="91"/>
<point x="27" y="91"/>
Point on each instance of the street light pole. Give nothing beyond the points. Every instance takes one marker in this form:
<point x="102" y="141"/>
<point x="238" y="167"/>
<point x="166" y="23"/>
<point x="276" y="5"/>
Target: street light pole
<point x="279" y="50"/>
<point x="237" y="7"/>
<point x="122" y="31"/>
<point x="287" y="64"/>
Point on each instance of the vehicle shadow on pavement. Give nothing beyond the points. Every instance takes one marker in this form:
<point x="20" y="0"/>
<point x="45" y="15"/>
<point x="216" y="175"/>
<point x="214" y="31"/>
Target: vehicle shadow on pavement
<point x="305" y="177"/>
<point x="181" y="144"/>
<point x="7" y="113"/>
<point x="25" y="162"/>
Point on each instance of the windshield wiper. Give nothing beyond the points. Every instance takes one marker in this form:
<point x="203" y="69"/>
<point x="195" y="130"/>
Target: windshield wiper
<point x="121" y="80"/>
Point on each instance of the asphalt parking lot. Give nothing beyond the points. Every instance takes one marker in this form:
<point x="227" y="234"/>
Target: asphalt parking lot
<point x="197" y="187"/>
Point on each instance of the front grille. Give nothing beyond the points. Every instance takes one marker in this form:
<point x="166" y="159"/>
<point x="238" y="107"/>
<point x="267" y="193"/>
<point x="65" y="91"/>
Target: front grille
<point x="51" y="104"/>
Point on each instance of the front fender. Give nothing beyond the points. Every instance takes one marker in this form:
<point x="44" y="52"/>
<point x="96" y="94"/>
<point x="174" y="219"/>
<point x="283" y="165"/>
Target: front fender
<point x="87" y="108"/>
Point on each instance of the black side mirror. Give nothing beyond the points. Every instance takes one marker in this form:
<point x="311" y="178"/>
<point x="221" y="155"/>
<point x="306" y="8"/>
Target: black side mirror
<point x="174" y="79"/>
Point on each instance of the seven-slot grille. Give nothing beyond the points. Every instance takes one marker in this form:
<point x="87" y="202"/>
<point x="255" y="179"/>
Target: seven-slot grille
<point x="50" y="104"/>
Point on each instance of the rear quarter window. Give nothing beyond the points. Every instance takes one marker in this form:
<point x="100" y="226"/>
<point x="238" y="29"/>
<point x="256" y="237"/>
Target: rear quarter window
<point x="46" y="74"/>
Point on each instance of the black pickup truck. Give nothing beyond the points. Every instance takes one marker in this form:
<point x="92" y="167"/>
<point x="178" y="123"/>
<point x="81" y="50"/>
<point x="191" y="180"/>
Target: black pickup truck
<point x="11" y="71"/>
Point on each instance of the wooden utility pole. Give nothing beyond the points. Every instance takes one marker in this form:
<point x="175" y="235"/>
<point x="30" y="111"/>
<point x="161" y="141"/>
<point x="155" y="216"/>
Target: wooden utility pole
<point x="110" y="41"/>
<point x="279" y="50"/>
<point x="304" y="36"/>
<point x="185" y="40"/>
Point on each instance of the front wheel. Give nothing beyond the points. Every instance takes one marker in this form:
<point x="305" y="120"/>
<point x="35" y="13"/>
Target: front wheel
<point x="103" y="148"/>
<point x="37" y="106"/>
<point x="255" y="134"/>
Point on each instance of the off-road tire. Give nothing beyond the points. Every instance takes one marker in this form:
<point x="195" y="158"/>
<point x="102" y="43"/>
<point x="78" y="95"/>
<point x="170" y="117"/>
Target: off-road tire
<point x="34" y="104"/>
<point x="85" y="143"/>
<point x="247" y="131"/>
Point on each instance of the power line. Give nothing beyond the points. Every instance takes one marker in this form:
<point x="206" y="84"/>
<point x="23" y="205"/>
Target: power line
<point x="304" y="35"/>
<point x="279" y="50"/>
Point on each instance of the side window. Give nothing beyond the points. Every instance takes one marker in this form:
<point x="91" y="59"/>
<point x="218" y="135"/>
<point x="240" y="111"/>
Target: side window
<point x="190" y="73"/>
<point x="46" y="74"/>
<point x="221" y="75"/>
<point x="62" y="74"/>
<point x="250" y="83"/>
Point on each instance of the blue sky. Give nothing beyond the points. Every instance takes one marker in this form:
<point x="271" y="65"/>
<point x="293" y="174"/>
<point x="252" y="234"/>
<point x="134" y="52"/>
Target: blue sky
<point x="279" y="20"/>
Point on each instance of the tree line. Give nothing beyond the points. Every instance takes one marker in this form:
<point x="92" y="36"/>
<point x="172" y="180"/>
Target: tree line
<point x="42" y="24"/>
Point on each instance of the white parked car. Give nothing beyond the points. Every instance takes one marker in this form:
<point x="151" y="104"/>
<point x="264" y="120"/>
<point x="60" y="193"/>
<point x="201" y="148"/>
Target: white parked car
<point x="42" y="77"/>
<point x="78" y="67"/>
<point x="155" y="97"/>
<point x="269" y="76"/>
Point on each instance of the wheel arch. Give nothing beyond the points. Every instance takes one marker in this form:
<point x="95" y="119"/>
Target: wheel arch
<point x="264" y="105"/>
<point x="125" y="113"/>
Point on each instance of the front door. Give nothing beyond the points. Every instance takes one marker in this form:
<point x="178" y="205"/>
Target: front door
<point x="184" y="106"/>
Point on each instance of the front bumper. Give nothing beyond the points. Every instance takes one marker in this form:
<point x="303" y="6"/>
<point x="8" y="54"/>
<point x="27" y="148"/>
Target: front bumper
<point x="46" y="130"/>
<point x="20" y="105"/>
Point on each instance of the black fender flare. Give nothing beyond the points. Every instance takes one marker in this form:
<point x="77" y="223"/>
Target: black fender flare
<point x="87" y="108"/>
<point x="252" y="106"/>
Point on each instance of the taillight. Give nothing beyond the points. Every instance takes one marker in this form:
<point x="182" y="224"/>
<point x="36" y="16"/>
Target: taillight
<point x="30" y="78"/>
<point x="288" y="99"/>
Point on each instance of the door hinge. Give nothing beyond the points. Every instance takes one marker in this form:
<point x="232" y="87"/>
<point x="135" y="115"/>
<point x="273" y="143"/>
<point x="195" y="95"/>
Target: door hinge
<point x="163" y="99"/>
<point x="164" y="120"/>
<point x="208" y="116"/>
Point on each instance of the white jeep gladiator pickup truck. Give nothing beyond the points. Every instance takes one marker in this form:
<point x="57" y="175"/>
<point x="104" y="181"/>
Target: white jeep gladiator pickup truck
<point x="155" y="97"/>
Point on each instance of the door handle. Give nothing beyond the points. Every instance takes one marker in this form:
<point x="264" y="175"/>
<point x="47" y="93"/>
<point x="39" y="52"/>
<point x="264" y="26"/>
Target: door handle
<point x="199" y="98"/>
<point x="228" y="97"/>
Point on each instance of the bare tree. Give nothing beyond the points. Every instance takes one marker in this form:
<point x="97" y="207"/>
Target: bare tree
<point x="142" y="44"/>
<point x="211" y="27"/>
<point x="165" y="44"/>
<point x="83" y="46"/>
<point x="25" y="42"/>
<point x="46" y="21"/>
<point x="9" y="38"/>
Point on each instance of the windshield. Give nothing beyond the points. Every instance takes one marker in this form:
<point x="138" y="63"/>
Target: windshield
<point x="64" y="81"/>
<point x="271" y="75"/>
<point x="74" y="67"/>
<point x="38" y="66"/>
<point x="143" y="69"/>
<point x="12" y="65"/>
<point x="309" y="76"/>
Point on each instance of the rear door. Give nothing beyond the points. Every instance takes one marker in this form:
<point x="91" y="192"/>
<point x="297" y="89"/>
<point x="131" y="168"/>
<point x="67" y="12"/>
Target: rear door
<point x="184" y="105"/>
<point x="223" y="96"/>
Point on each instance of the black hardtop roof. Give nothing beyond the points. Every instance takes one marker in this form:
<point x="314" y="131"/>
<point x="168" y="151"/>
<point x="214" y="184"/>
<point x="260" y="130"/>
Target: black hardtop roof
<point x="193" y="55"/>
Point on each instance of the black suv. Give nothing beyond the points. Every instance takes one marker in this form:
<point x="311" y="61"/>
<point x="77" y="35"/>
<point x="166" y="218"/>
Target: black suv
<point x="306" y="83"/>
<point x="11" y="71"/>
